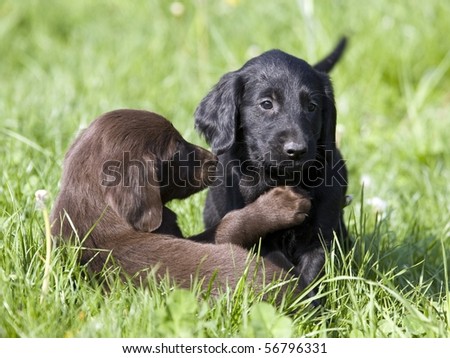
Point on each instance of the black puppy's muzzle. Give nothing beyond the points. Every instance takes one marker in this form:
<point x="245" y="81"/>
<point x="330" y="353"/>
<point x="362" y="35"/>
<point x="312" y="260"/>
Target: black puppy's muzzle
<point x="289" y="144"/>
<point x="294" y="150"/>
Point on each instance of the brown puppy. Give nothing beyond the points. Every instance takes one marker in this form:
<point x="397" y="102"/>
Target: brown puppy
<point x="119" y="173"/>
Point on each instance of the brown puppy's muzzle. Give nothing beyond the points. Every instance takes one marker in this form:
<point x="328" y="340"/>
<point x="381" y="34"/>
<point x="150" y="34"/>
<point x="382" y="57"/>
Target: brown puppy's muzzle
<point x="207" y="170"/>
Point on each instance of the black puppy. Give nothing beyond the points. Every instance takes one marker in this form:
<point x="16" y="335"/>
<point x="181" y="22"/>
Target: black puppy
<point x="273" y="123"/>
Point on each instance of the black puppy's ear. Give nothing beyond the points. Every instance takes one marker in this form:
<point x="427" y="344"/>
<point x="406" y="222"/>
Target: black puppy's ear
<point x="136" y="196"/>
<point x="327" y="64"/>
<point x="217" y="115"/>
<point x="327" y="137"/>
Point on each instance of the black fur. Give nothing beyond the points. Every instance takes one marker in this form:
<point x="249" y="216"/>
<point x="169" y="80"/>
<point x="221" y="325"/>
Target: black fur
<point x="273" y="123"/>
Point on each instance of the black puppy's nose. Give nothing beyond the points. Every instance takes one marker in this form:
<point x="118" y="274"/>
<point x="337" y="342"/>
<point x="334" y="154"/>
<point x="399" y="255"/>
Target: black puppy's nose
<point x="294" y="150"/>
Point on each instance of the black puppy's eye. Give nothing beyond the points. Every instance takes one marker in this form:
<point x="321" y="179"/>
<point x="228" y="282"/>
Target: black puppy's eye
<point x="266" y="104"/>
<point x="311" y="107"/>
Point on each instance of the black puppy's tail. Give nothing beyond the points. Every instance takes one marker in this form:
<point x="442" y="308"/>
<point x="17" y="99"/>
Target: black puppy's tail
<point x="327" y="64"/>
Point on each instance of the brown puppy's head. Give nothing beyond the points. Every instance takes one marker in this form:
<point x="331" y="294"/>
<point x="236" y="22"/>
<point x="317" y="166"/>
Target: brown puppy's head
<point x="134" y="161"/>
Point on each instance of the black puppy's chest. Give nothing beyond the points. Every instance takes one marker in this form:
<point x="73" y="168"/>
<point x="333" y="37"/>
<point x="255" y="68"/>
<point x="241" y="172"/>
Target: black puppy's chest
<point x="292" y="242"/>
<point x="297" y="240"/>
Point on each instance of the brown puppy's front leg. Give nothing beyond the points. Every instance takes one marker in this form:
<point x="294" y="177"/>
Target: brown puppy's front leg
<point x="279" y="208"/>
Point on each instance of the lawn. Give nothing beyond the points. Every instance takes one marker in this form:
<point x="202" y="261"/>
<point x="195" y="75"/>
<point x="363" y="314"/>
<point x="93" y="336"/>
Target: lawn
<point x="65" y="62"/>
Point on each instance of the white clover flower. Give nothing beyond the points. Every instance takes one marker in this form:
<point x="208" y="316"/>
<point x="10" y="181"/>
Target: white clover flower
<point x="378" y="204"/>
<point x="40" y="196"/>
<point x="366" y="181"/>
<point x="177" y="9"/>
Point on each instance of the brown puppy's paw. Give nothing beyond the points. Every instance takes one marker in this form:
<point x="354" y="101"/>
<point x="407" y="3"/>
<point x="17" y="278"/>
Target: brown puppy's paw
<point x="282" y="207"/>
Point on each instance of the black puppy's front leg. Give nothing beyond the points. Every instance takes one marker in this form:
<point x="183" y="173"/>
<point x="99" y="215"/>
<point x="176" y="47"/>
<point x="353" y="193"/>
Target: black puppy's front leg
<point x="315" y="235"/>
<point x="310" y="266"/>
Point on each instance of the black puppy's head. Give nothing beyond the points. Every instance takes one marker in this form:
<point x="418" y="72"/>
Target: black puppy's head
<point x="279" y="105"/>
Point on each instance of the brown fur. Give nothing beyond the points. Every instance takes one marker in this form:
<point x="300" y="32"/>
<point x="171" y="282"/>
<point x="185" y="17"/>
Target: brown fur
<point x="119" y="173"/>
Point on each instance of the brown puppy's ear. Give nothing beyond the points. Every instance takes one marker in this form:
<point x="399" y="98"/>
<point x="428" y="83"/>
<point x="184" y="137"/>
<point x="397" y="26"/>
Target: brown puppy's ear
<point x="217" y="115"/>
<point x="136" y="198"/>
<point x="327" y="64"/>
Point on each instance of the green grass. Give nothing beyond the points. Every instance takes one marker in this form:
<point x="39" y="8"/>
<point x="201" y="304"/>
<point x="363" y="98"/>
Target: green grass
<point x="63" y="63"/>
